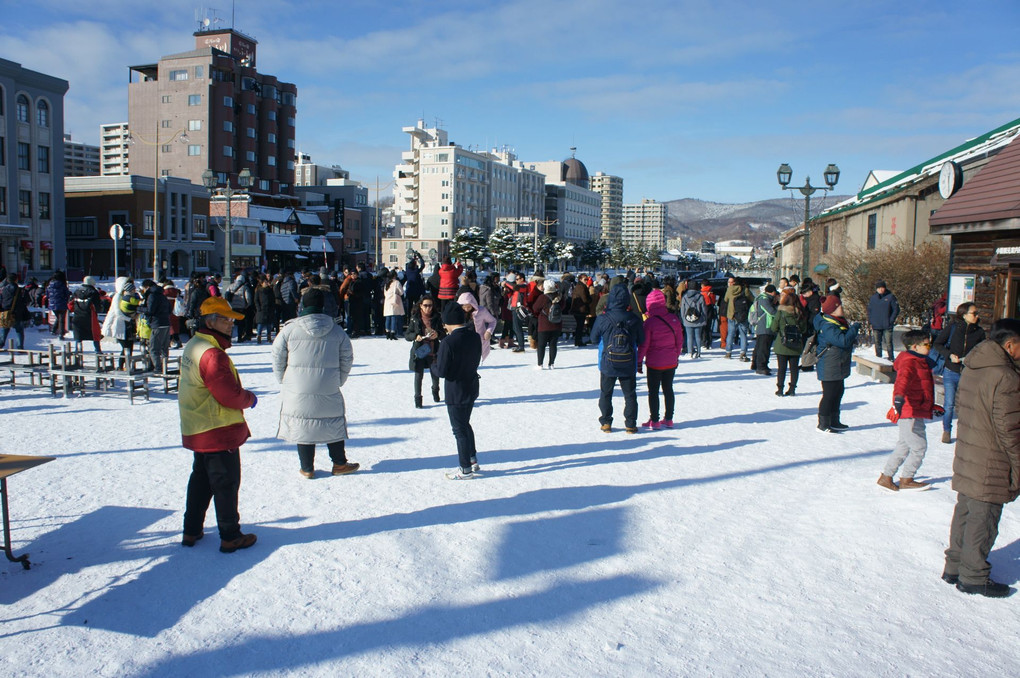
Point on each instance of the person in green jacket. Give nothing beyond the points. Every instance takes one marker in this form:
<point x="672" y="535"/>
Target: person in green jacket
<point x="790" y="329"/>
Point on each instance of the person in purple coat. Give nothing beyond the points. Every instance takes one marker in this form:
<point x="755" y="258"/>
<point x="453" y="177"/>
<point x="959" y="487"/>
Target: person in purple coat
<point x="660" y="350"/>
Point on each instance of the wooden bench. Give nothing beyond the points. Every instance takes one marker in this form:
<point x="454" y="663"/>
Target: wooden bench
<point x="878" y="369"/>
<point x="171" y="374"/>
<point x="10" y="465"/>
<point x="34" y="364"/>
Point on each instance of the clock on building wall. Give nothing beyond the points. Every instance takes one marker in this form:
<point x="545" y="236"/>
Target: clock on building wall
<point x="950" y="179"/>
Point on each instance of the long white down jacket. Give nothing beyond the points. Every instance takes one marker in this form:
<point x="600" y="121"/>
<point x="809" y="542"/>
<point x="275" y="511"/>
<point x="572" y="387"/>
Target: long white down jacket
<point x="312" y="357"/>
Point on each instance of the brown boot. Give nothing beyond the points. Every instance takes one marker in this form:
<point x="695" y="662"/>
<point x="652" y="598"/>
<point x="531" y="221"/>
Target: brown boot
<point x="947" y="437"/>
<point x="344" y="469"/>
<point x="911" y="484"/>
<point x="502" y="342"/>
<point x="242" y="542"/>
<point x="887" y="483"/>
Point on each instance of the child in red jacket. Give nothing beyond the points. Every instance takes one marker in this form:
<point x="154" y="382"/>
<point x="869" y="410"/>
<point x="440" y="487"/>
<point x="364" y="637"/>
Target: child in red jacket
<point x="913" y="400"/>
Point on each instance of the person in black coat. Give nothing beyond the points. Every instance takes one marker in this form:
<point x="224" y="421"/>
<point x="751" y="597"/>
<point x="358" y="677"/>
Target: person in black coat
<point x="84" y="318"/>
<point x="457" y="362"/>
<point x="424" y="328"/>
<point x="156" y="310"/>
<point x="265" y="309"/>
<point x="14" y="299"/>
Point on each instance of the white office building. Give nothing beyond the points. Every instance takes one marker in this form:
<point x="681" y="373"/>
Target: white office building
<point x="440" y="188"/>
<point x="644" y="224"/>
<point x="80" y="159"/>
<point x="572" y="211"/>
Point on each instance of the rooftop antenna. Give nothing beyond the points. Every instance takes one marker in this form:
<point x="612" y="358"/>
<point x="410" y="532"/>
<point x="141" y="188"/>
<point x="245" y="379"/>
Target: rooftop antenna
<point x="573" y="151"/>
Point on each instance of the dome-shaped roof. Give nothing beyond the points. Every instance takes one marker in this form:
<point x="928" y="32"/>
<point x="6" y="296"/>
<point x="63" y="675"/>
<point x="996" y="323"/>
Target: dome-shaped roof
<point x="574" y="172"/>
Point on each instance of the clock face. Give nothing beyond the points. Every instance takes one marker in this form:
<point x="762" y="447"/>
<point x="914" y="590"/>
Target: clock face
<point x="950" y="177"/>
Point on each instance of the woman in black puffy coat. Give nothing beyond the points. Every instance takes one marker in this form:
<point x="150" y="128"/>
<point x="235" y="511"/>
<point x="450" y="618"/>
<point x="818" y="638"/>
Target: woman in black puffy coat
<point x="425" y="328"/>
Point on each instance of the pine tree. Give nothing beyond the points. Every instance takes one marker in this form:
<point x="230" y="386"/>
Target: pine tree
<point x="469" y="245"/>
<point x="503" y="248"/>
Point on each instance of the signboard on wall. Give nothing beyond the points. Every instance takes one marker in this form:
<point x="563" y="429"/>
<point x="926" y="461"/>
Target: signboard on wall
<point x="961" y="289"/>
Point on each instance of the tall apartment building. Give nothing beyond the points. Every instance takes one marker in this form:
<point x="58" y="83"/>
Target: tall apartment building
<point x="114" y="144"/>
<point x="232" y="116"/>
<point x="31" y="170"/>
<point x="441" y="187"/>
<point x="80" y="160"/>
<point x="611" y="211"/>
<point x="644" y="224"/>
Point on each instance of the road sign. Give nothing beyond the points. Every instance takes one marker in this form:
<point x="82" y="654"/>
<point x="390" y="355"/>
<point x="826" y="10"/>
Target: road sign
<point x="116" y="231"/>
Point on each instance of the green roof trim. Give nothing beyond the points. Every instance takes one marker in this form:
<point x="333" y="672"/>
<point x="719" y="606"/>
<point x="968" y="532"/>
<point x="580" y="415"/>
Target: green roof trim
<point x="879" y="191"/>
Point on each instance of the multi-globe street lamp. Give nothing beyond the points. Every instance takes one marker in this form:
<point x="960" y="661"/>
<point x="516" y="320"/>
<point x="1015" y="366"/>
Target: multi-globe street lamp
<point x="831" y="176"/>
<point x="211" y="181"/>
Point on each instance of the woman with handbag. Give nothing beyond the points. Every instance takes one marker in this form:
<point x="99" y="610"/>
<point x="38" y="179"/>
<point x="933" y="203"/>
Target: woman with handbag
<point x="790" y="327"/>
<point x="953" y="343"/>
<point x="425" y="329"/>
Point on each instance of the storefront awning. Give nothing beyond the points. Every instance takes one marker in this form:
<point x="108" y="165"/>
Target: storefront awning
<point x="45" y="245"/>
<point x="27" y="245"/>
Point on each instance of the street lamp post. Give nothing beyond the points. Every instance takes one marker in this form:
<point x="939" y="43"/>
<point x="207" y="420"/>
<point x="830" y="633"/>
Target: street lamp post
<point x="182" y="136"/>
<point x="210" y="181"/>
<point x="785" y="174"/>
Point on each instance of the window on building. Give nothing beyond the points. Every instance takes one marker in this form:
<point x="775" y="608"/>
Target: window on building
<point x="237" y="236"/>
<point x="179" y="75"/>
<point x="43" y="159"/>
<point x="228" y="126"/>
<point x="164" y="173"/>
<point x="81" y="228"/>
<point x="194" y="99"/>
<point x="271" y="138"/>
<point x="228" y="102"/>
<point x="194" y="149"/>
<point x="167" y="148"/>
<point x="249" y="156"/>
<point x="252" y="237"/>
<point x="147" y="223"/>
<point x="271" y="115"/>
<point x="199" y="72"/>
<point x="251" y="109"/>
<point x="44" y="205"/>
<point x="24" y="156"/>
<point x="74" y="258"/>
<point x="198" y="226"/>
<point x="263" y="184"/>
<point x="3" y="200"/>
<point x="194" y="125"/>
<point x="164" y="123"/>
<point x="290" y="164"/>
<point x="271" y="161"/>
<point x="165" y="98"/>
<point x="825" y="239"/>
<point x="25" y="204"/>
<point x="42" y="113"/>
<point x="250" y="132"/>
<point x="228" y="151"/>
<point x="291" y="143"/>
<point x="872" y="231"/>
<point x="202" y="260"/>
<point x="291" y="122"/>
<point x="22" y="107"/>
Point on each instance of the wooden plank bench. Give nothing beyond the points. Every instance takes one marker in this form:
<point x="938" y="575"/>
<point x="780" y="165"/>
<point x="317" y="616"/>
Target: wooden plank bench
<point x="11" y="464"/>
<point x="34" y="364"/>
<point x="878" y="369"/>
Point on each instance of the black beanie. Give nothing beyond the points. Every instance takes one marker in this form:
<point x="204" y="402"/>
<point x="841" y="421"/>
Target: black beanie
<point x="453" y="314"/>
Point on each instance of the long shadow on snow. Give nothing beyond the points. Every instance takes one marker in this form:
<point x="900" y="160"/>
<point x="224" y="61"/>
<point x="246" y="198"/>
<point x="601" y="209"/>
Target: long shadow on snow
<point x="435" y="625"/>
<point x="1006" y="563"/>
<point x="144" y="602"/>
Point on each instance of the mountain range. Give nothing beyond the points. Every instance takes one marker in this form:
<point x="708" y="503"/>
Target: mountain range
<point x="759" y="222"/>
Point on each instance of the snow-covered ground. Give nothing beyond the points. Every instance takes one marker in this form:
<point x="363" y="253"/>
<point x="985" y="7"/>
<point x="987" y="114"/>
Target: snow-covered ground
<point x="741" y="543"/>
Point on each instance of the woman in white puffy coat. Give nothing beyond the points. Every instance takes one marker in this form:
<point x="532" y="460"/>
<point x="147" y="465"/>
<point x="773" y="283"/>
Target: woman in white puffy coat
<point x="312" y="357"/>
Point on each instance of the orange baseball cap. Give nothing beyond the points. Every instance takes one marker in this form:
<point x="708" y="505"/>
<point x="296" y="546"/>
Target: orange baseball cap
<point x="219" y="306"/>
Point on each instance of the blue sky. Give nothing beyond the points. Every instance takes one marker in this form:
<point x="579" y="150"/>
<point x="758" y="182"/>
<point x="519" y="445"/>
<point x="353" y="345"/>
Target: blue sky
<point x="682" y="99"/>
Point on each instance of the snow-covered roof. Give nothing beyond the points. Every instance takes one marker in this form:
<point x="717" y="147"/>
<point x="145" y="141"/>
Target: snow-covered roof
<point x="281" y="242"/>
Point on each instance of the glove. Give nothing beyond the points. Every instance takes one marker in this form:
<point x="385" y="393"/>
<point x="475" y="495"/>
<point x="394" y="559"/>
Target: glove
<point x="254" y="402"/>
<point x="892" y="415"/>
<point x="898" y="405"/>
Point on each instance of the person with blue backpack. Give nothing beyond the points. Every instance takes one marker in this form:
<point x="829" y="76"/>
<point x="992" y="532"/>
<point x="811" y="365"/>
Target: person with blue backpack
<point x="618" y="334"/>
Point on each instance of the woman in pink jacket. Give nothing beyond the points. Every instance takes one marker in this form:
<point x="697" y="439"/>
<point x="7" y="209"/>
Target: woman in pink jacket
<point x="664" y="341"/>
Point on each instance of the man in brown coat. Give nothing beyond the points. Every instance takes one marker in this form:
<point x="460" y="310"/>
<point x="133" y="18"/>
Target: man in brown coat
<point x="986" y="468"/>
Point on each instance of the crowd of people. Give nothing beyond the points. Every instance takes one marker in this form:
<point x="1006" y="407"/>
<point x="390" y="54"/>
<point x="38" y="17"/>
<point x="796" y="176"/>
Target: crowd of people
<point x="640" y="324"/>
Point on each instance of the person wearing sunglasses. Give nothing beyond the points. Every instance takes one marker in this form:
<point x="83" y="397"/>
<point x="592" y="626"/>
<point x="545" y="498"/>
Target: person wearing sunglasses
<point x="424" y="330"/>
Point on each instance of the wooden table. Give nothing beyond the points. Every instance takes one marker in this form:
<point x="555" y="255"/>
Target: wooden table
<point x="11" y="464"/>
